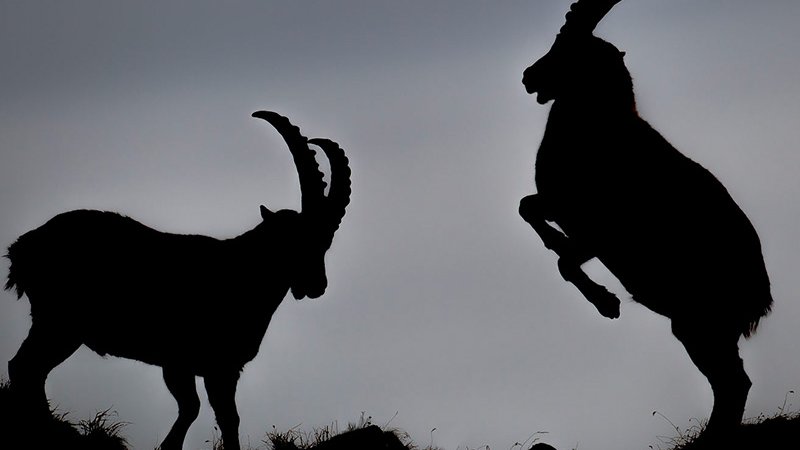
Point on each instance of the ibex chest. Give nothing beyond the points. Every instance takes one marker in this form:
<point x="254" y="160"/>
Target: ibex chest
<point x="574" y="160"/>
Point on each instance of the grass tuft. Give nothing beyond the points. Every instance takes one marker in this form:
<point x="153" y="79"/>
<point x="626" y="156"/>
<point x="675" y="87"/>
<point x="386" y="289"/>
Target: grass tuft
<point x="760" y="432"/>
<point x="361" y="434"/>
<point x="20" y="430"/>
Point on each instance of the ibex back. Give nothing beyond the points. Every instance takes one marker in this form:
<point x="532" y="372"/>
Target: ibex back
<point x="194" y="305"/>
<point x="661" y="223"/>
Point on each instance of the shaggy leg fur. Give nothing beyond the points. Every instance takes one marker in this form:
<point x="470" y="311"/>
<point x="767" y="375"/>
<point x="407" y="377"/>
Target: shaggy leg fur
<point x="182" y="386"/>
<point x="221" y="389"/>
<point x="716" y="354"/>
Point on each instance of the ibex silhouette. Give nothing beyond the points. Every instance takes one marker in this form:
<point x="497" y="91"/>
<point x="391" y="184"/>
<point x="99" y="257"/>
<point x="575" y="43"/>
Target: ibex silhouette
<point x="194" y="305"/>
<point x="661" y="223"/>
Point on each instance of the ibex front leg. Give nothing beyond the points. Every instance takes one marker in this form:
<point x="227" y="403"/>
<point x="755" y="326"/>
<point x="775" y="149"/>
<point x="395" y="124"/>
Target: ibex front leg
<point x="570" y="259"/>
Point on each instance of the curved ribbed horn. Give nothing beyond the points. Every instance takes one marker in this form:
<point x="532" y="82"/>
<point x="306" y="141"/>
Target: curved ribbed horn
<point x="339" y="194"/>
<point x="312" y="188"/>
<point x="584" y="15"/>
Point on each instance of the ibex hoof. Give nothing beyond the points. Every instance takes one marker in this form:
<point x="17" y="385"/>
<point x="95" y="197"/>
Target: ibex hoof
<point x="606" y="303"/>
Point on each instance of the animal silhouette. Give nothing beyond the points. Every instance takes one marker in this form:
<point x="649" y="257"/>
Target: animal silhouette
<point x="661" y="223"/>
<point x="193" y="305"/>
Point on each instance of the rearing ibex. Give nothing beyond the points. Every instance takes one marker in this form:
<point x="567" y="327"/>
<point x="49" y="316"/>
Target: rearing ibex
<point x="661" y="223"/>
<point x="194" y="305"/>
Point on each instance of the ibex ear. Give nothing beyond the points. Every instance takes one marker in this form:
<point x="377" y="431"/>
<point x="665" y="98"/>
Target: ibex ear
<point x="266" y="213"/>
<point x="621" y="54"/>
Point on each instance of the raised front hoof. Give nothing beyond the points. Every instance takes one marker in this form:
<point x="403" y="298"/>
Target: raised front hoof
<point x="607" y="303"/>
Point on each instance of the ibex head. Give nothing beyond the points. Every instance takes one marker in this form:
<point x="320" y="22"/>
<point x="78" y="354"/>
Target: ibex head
<point x="304" y="237"/>
<point x="579" y="65"/>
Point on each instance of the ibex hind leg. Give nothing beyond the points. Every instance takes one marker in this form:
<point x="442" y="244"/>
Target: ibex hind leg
<point x="181" y="385"/>
<point x="46" y="346"/>
<point x="715" y="351"/>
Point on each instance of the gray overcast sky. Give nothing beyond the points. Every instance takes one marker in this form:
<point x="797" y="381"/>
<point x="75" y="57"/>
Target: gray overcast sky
<point x="443" y="306"/>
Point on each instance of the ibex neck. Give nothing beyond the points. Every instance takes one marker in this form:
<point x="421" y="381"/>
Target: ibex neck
<point x="594" y="108"/>
<point x="252" y="241"/>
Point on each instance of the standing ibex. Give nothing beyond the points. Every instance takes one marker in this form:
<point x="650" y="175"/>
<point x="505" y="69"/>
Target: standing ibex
<point x="661" y="223"/>
<point x="194" y="305"/>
